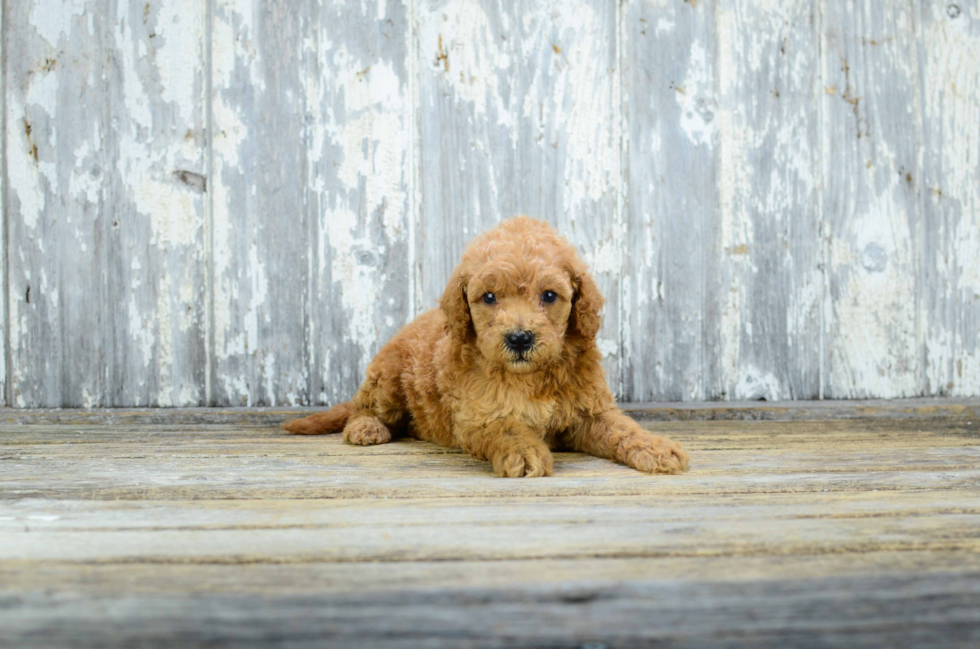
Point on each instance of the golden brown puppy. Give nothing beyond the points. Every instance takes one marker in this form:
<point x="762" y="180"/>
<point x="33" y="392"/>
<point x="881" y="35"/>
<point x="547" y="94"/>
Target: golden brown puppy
<point x="507" y="369"/>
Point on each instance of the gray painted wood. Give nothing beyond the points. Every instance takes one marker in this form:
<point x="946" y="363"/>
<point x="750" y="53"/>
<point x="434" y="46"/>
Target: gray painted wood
<point x="949" y="276"/>
<point x="921" y="610"/>
<point x="871" y="112"/>
<point x="779" y="200"/>
<point x="155" y="203"/>
<point x="260" y="219"/>
<point x="4" y="285"/>
<point x="766" y="322"/>
<point x="673" y="196"/>
<point x="57" y="173"/>
<point x="360" y="109"/>
<point x="121" y="532"/>
<point x="519" y="112"/>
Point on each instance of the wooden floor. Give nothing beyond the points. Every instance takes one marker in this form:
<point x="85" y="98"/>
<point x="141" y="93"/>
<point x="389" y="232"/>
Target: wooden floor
<point x="203" y="528"/>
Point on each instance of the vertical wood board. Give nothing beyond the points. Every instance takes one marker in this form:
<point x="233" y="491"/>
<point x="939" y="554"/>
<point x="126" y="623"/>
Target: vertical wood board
<point x="672" y="196"/>
<point x="871" y="210"/>
<point x="519" y="113"/>
<point x="260" y="202"/>
<point x="57" y="164"/>
<point x="949" y="46"/>
<point x="767" y="263"/>
<point x="155" y="205"/>
<point x="360" y="110"/>
<point x="4" y="287"/>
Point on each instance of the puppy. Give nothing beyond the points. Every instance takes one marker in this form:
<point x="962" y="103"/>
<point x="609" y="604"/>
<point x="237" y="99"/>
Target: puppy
<point x="507" y="368"/>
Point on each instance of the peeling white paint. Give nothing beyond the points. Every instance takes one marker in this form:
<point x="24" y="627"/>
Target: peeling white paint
<point x="534" y="92"/>
<point x="473" y="54"/>
<point x="606" y="257"/>
<point x="592" y="164"/>
<point x="951" y="77"/>
<point x="53" y="19"/>
<point x="754" y="385"/>
<point x="25" y="183"/>
<point x="4" y="279"/>
<point x="179" y="30"/>
<point x="231" y="48"/>
<point x="868" y="358"/>
<point x="608" y="347"/>
<point x="375" y="142"/>
<point x="695" y="96"/>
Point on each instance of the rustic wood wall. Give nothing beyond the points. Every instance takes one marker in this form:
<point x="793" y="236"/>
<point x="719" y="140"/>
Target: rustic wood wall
<point x="236" y="202"/>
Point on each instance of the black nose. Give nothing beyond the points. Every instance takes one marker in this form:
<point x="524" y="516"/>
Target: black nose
<point x="520" y="341"/>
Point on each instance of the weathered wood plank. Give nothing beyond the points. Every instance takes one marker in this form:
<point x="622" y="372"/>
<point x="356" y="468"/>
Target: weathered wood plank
<point x="519" y="115"/>
<point x="156" y="301"/>
<point x="949" y="281"/>
<point x="891" y="409"/>
<point x="767" y="263"/>
<point x="97" y="517"/>
<point x="440" y="539"/>
<point x="853" y="532"/>
<point x="871" y="112"/>
<point x="4" y="287"/>
<point x="450" y="477"/>
<point x="920" y="610"/>
<point x="361" y="142"/>
<point x="729" y="458"/>
<point x="231" y="440"/>
<point x="246" y="435"/>
<point x="261" y="215"/>
<point x="114" y="580"/>
<point x="673" y="199"/>
<point x="57" y="166"/>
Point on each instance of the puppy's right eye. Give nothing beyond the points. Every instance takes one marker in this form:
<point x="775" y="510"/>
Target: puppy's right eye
<point x="489" y="298"/>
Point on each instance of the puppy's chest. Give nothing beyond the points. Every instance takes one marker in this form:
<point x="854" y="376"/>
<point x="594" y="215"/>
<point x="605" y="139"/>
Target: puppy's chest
<point x="541" y="414"/>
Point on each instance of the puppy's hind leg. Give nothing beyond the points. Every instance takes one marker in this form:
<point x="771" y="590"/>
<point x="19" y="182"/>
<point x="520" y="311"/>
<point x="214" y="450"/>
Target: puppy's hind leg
<point x="364" y="429"/>
<point x="322" y="423"/>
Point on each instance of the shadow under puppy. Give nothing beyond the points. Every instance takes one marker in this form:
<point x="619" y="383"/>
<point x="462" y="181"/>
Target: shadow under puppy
<point x="506" y="369"/>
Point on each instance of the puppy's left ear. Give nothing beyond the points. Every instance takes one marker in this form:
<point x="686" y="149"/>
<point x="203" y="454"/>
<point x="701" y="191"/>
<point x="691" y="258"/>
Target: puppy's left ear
<point x="586" y="306"/>
<point x="454" y="304"/>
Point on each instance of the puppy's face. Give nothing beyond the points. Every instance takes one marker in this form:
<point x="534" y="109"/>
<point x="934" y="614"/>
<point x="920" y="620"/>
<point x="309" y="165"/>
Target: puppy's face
<point x="521" y="295"/>
<point x="520" y="318"/>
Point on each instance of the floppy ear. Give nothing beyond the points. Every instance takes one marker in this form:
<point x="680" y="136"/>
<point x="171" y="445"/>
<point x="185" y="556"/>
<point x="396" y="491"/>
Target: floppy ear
<point x="456" y="307"/>
<point x="586" y="305"/>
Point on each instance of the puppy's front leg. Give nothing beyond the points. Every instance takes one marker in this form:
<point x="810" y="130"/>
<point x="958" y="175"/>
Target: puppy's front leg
<point x="615" y="436"/>
<point x="511" y="446"/>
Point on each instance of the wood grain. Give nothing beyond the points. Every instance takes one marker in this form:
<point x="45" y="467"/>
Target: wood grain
<point x="4" y="285"/>
<point x="839" y="532"/>
<point x="871" y="114"/>
<point x="949" y="273"/>
<point x="237" y="202"/>
<point x="361" y="140"/>
<point x="260" y="216"/>
<point x="156" y="204"/>
<point x="767" y="263"/>
<point x="933" y="408"/>
<point x="673" y="198"/>
<point x="519" y="114"/>
<point x="56" y="212"/>
<point x="921" y="611"/>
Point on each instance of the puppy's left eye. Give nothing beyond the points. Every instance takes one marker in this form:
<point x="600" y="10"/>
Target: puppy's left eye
<point x="548" y="297"/>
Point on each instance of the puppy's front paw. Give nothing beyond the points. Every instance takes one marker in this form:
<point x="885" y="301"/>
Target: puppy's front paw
<point x="523" y="459"/>
<point x="655" y="454"/>
<point x="366" y="431"/>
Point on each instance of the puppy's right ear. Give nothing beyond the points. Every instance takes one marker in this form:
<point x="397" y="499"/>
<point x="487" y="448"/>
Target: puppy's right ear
<point x="455" y="305"/>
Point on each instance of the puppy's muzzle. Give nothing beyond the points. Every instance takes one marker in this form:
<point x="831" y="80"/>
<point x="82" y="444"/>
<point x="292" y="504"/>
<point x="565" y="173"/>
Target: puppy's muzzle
<point x="519" y="341"/>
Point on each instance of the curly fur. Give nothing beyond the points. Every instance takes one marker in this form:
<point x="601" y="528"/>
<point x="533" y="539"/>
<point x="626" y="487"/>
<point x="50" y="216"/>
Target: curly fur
<point x="449" y="378"/>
